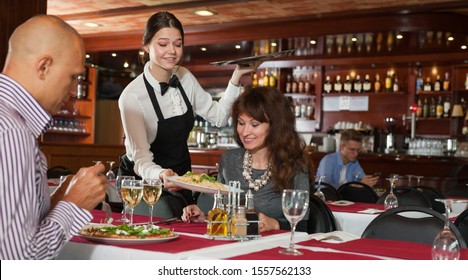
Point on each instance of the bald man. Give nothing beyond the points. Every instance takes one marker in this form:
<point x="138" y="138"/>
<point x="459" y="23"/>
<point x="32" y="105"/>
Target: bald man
<point x="45" y="58"/>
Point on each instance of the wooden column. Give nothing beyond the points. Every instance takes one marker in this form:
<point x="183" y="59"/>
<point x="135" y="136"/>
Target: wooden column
<point x="12" y="14"/>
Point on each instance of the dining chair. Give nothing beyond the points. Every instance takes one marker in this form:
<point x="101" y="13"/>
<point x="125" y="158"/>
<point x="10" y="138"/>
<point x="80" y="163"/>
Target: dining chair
<point x="330" y="192"/>
<point x="358" y="192"/>
<point x="321" y="218"/>
<point x="57" y="171"/>
<point x="432" y="194"/>
<point x="462" y="224"/>
<point x="410" y="223"/>
<point x="407" y="196"/>
<point x="169" y="205"/>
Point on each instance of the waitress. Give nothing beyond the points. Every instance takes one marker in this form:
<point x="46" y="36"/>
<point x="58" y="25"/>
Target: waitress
<point x="158" y="107"/>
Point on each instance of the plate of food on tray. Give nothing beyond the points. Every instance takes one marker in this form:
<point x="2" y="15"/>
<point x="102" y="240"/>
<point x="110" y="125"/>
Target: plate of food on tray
<point x="201" y="183"/>
<point x="127" y="234"/>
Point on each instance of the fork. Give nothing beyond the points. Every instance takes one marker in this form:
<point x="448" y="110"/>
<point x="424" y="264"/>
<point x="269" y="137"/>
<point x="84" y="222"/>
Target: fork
<point x="106" y="207"/>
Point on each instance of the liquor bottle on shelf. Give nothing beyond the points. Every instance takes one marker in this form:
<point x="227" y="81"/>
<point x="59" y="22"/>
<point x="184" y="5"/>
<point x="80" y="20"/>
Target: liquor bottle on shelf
<point x="425" y="108"/>
<point x="338" y="86"/>
<point x="447" y="107"/>
<point x="377" y="83"/>
<point x="466" y="81"/>
<point x="396" y="84"/>
<point x="446" y="84"/>
<point x="260" y="77"/>
<point x="300" y="84"/>
<point x="288" y="84"/>
<point x="366" y="86"/>
<point x="327" y="86"/>
<point x="419" y="81"/>
<point x="273" y="78"/>
<point x="348" y="86"/>
<point x="428" y="84"/>
<point x="437" y="84"/>
<point x="307" y="84"/>
<point x="266" y="78"/>
<point x="217" y="217"/>
<point x="358" y="84"/>
<point x="419" y="112"/>
<point x="294" y="84"/>
<point x="388" y="82"/>
<point x="432" y="108"/>
<point x="254" y="79"/>
<point x="439" y="108"/>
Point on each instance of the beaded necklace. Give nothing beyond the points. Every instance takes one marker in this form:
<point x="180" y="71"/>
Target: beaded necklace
<point x="247" y="173"/>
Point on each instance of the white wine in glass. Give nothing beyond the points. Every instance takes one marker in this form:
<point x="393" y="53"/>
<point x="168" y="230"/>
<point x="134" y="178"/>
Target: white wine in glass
<point x="132" y="192"/>
<point x="295" y="204"/>
<point x="152" y="189"/>
<point x="118" y="186"/>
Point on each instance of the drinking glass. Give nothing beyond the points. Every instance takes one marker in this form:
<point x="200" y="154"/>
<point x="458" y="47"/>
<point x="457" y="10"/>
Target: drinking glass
<point x="132" y="192"/>
<point x="418" y="179"/>
<point x="391" y="200"/>
<point x="295" y="204"/>
<point x="445" y="245"/>
<point x="118" y="185"/>
<point x="318" y="193"/>
<point x="110" y="174"/>
<point x="152" y="189"/>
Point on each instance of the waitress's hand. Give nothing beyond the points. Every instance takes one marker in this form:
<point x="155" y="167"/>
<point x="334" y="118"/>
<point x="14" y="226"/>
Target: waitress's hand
<point x="168" y="184"/>
<point x="193" y="213"/>
<point x="267" y="223"/>
<point x="241" y="70"/>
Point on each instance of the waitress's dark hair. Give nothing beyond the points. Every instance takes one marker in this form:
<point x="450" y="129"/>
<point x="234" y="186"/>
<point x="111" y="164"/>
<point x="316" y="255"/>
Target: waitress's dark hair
<point x="155" y="23"/>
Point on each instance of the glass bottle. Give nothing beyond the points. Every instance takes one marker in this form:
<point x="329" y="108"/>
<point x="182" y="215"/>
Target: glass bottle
<point x="388" y="82"/>
<point x="358" y="84"/>
<point x="425" y="108"/>
<point x="428" y="84"/>
<point x="307" y="85"/>
<point x="466" y="82"/>
<point x="367" y="84"/>
<point x="447" y="107"/>
<point x="327" y="86"/>
<point x="377" y="83"/>
<point x="300" y="85"/>
<point x="239" y="223"/>
<point x="217" y="218"/>
<point x="446" y="85"/>
<point x="439" y="108"/>
<point x="432" y="108"/>
<point x="396" y="84"/>
<point x="419" y="81"/>
<point x="273" y="78"/>
<point x="288" y="84"/>
<point x="419" y="112"/>
<point x="294" y="84"/>
<point x="437" y="84"/>
<point x="254" y="79"/>
<point x="266" y="78"/>
<point x="338" y="86"/>
<point x="347" y="85"/>
<point x="251" y="215"/>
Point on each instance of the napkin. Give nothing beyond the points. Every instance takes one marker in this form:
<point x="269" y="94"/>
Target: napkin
<point x="334" y="237"/>
<point x="371" y="211"/>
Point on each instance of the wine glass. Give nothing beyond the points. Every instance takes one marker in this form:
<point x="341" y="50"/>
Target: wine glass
<point x="132" y="192"/>
<point x="118" y="186"/>
<point x="152" y="189"/>
<point x="110" y="174"/>
<point x="418" y="179"/>
<point x="318" y="193"/>
<point x="445" y="245"/>
<point x="295" y="204"/>
<point x="391" y="200"/>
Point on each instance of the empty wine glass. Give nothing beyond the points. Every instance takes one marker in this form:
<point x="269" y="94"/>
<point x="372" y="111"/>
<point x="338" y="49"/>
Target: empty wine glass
<point x="410" y="179"/>
<point x="152" y="189"/>
<point x="445" y="245"/>
<point x="418" y="179"/>
<point x="318" y="193"/>
<point x="132" y="192"/>
<point x="391" y="200"/>
<point x="110" y="174"/>
<point x="295" y="204"/>
<point x="118" y="185"/>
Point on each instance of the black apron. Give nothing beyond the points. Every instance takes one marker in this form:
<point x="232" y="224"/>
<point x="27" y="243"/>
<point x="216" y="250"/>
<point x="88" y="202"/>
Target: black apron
<point x="170" y="148"/>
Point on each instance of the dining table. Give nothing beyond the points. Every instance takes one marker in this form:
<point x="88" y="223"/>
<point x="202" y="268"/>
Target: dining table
<point x="192" y="244"/>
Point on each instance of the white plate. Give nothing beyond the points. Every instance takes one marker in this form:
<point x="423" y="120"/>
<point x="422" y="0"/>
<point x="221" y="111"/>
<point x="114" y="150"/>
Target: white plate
<point x="199" y="188"/>
<point x="371" y="211"/>
<point x="342" y="203"/>
<point x="126" y="241"/>
<point x="251" y="59"/>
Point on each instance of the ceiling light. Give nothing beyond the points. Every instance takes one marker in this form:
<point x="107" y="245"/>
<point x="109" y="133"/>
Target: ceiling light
<point x="238" y="47"/>
<point x="204" y="13"/>
<point x="88" y="56"/>
<point x="113" y="54"/>
<point x="203" y="49"/>
<point x="463" y="47"/>
<point x="450" y="38"/>
<point x="399" y="36"/>
<point x="91" y="24"/>
<point x="354" y="39"/>
<point x="313" y="42"/>
<point x="125" y="64"/>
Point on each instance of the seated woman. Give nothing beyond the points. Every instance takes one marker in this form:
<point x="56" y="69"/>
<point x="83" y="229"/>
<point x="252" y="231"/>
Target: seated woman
<point x="271" y="158"/>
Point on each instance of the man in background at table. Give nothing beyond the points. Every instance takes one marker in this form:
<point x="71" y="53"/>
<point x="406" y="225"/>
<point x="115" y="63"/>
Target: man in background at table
<point x="45" y="58"/>
<point x="342" y="166"/>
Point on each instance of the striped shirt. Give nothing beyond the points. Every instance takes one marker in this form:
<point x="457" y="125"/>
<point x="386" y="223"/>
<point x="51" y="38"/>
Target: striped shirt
<point x="29" y="229"/>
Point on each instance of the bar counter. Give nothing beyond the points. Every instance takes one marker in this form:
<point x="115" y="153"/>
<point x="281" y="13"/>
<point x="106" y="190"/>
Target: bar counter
<point x="444" y="173"/>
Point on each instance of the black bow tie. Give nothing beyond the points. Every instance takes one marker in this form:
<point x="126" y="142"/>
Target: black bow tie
<point x="173" y="82"/>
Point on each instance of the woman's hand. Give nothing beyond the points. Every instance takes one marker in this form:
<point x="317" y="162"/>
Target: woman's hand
<point x="168" y="184"/>
<point x="241" y="70"/>
<point x="267" y="223"/>
<point x="193" y="213"/>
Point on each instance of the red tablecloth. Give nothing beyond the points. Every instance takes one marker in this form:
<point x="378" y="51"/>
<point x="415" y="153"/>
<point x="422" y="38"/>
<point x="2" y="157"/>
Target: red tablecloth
<point x="387" y="248"/>
<point x="354" y="208"/>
